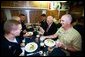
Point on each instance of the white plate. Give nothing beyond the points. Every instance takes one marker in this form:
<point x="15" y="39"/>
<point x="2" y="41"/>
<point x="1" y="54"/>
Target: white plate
<point x="31" y="47"/>
<point x="49" y="42"/>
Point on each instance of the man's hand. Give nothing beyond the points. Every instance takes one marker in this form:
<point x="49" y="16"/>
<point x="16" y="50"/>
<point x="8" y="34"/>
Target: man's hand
<point x="42" y="38"/>
<point x="60" y="44"/>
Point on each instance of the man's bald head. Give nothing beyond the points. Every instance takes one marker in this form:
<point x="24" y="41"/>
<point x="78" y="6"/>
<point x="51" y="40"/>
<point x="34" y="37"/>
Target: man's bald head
<point x="67" y="17"/>
<point x="49" y="19"/>
<point x="66" y="20"/>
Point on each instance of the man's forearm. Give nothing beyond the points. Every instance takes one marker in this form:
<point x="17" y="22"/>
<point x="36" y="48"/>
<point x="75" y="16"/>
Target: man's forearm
<point x="51" y="36"/>
<point x="70" y="48"/>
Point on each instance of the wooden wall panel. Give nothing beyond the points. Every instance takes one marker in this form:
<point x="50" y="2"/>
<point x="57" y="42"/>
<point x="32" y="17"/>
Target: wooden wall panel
<point x="76" y="11"/>
<point x="54" y="13"/>
<point x="15" y="12"/>
<point x="35" y="16"/>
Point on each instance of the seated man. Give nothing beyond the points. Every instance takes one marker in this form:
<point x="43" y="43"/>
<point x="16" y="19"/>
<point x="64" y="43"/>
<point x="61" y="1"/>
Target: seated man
<point x="24" y="29"/>
<point x="50" y="27"/>
<point x="9" y="44"/>
<point x="43" y="21"/>
<point x="69" y="39"/>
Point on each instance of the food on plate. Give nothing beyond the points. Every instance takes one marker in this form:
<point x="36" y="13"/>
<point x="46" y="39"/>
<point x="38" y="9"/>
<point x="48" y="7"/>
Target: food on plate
<point x="49" y="42"/>
<point x="31" y="47"/>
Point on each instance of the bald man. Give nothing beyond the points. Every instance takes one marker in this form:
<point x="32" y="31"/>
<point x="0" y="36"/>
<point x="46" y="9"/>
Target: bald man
<point x="49" y="20"/>
<point x="50" y="26"/>
<point x="68" y="38"/>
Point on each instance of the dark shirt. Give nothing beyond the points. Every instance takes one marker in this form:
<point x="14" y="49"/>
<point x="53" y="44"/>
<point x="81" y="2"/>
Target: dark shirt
<point x="9" y="48"/>
<point x="23" y="26"/>
<point x="51" y="30"/>
<point x="44" y="24"/>
<point x="2" y="28"/>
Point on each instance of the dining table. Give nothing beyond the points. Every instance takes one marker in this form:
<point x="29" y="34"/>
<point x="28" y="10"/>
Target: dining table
<point x="42" y="49"/>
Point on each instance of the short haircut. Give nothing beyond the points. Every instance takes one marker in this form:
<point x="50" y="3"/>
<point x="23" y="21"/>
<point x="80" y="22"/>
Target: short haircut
<point x="68" y="17"/>
<point x="43" y="15"/>
<point x="21" y="15"/>
<point x="8" y="25"/>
